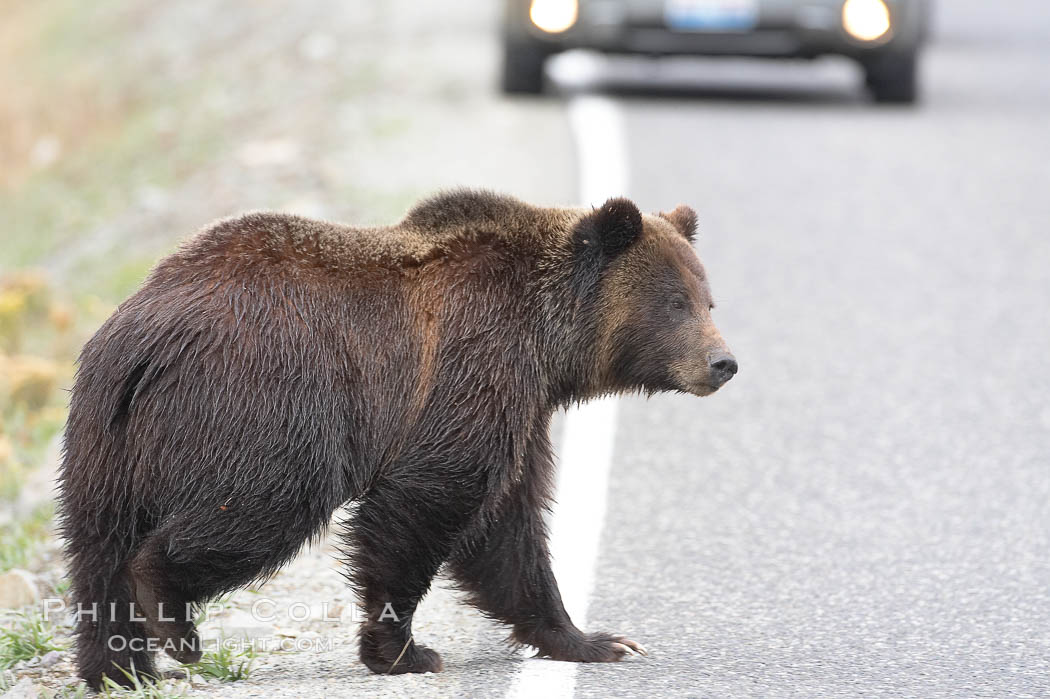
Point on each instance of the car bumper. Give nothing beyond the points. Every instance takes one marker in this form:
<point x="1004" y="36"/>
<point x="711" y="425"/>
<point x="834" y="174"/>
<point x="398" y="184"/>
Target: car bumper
<point x="782" y="29"/>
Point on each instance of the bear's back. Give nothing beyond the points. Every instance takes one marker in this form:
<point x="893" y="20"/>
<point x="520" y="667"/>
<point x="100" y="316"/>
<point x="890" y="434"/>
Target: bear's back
<point x="449" y="224"/>
<point x="284" y="243"/>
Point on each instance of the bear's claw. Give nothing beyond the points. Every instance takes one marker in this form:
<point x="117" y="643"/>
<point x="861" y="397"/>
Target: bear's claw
<point x="586" y="648"/>
<point x="629" y="645"/>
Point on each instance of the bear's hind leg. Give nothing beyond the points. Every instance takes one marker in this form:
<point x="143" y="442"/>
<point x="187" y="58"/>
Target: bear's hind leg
<point x="198" y="556"/>
<point x="166" y="608"/>
<point x="113" y="647"/>
<point x="398" y="540"/>
<point x="109" y="641"/>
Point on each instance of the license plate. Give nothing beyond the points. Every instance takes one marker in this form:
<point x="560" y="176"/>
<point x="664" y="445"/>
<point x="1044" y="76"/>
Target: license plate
<point x="711" y="15"/>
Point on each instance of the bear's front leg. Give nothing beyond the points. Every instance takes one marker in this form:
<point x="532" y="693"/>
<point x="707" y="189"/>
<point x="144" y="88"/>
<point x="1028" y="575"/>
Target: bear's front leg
<point x="505" y="568"/>
<point x="397" y="542"/>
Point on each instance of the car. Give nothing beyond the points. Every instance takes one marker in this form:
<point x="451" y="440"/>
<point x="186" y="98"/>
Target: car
<point x="884" y="36"/>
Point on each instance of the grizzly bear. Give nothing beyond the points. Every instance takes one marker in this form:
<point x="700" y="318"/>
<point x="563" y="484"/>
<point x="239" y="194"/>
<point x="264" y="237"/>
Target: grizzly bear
<point x="276" y="368"/>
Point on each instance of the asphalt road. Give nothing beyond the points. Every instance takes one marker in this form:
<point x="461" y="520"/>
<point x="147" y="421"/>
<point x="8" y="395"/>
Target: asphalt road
<point x="865" y="509"/>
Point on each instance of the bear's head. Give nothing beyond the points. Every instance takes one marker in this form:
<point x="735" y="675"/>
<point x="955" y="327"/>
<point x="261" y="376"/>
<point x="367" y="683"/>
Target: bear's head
<point x="653" y="326"/>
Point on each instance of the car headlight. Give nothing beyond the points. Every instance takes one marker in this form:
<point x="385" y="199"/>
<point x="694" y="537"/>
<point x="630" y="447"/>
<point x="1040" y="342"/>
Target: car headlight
<point x="866" y="20"/>
<point x="553" y="16"/>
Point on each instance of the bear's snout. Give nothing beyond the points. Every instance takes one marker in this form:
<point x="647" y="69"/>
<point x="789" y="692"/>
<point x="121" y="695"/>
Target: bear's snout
<point x="723" y="367"/>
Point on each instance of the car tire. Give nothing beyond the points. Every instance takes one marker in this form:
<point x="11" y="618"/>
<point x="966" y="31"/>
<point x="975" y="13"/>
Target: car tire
<point x="523" y="67"/>
<point x="893" y="78"/>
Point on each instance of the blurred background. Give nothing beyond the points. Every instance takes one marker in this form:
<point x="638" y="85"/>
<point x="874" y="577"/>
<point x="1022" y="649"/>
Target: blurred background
<point x="877" y="247"/>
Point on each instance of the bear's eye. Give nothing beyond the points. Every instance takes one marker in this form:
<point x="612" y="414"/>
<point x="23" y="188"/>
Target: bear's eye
<point x="679" y="303"/>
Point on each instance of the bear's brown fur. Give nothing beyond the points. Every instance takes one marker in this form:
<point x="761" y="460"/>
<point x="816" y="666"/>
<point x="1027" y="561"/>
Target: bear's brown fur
<point x="276" y="368"/>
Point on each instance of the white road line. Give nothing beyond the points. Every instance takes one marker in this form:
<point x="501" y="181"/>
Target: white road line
<point x="601" y="148"/>
<point x="587" y="443"/>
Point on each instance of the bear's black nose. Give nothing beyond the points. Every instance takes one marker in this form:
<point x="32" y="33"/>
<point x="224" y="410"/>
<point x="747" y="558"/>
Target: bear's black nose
<point x="723" y="367"/>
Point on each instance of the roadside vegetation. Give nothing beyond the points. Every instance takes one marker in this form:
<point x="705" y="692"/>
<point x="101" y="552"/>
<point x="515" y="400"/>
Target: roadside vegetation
<point x="64" y="175"/>
<point x="24" y="637"/>
<point x="226" y="664"/>
<point x="36" y="358"/>
<point x="67" y="172"/>
<point x="124" y="126"/>
<point x="20" y="539"/>
<point x="142" y="689"/>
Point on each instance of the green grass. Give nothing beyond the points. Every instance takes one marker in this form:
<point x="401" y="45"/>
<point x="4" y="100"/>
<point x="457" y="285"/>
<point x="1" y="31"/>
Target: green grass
<point x="30" y="432"/>
<point x="28" y="637"/>
<point x="148" y="688"/>
<point x="20" y="540"/>
<point x="11" y="477"/>
<point x="225" y="664"/>
<point x="124" y="141"/>
<point x="123" y="278"/>
<point x="97" y="181"/>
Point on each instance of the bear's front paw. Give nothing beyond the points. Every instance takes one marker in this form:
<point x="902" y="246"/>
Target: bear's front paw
<point x="588" y="648"/>
<point x="385" y="658"/>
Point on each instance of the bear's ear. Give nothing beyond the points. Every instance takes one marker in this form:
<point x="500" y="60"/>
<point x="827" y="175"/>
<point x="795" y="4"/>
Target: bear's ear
<point x="609" y="229"/>
<point x="684" y="220"/>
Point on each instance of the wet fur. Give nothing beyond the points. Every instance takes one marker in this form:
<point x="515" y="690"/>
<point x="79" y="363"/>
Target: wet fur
<point x="276" y="368"/>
